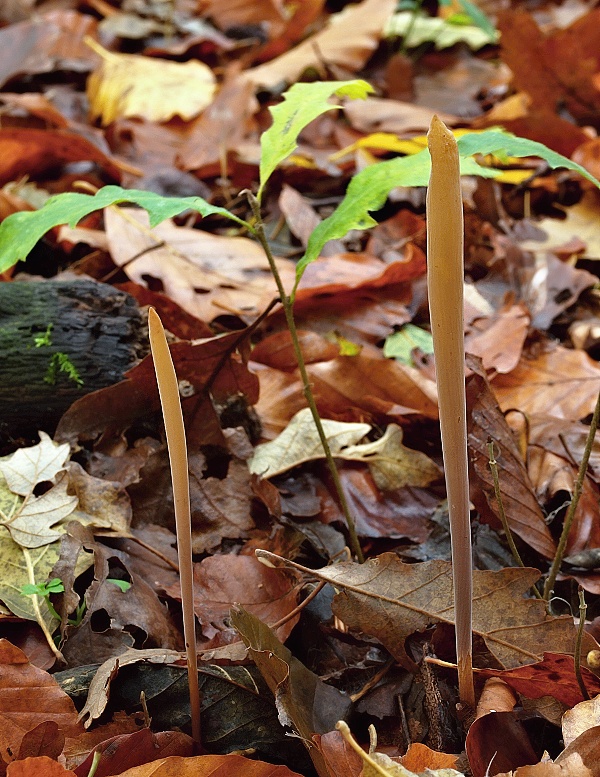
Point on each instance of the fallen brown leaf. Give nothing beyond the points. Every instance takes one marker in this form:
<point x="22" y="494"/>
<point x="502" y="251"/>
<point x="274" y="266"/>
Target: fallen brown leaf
<point x="390" y="600"/>
<point x="560" y="382"/>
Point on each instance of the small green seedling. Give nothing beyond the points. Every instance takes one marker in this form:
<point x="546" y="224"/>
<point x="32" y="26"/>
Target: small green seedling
<point x="55" y="586"/>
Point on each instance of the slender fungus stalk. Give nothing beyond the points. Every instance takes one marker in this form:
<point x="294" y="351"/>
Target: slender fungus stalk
<point x="171" y="407"/>
<point x="445" y="275"/>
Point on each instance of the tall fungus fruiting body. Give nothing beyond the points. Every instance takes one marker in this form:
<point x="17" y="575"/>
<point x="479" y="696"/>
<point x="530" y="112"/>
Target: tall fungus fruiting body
<point x="445" y="274"/>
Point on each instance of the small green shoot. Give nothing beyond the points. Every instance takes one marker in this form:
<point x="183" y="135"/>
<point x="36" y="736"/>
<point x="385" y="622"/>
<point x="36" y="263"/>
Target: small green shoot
<point x="55" y="586"/>
<point x="45" y="339"/>
<point x="59" y="361"/>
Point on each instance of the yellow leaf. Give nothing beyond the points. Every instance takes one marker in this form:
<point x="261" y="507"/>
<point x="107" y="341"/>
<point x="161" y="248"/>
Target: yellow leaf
<point x="127" y="85"/>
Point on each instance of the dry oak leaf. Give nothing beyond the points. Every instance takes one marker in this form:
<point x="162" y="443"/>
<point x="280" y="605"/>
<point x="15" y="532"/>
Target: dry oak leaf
<point x="29" y="696"/>
<point x="561" y="382"/>
<point x="128" y="85"/>
<point x="390" y="600"/>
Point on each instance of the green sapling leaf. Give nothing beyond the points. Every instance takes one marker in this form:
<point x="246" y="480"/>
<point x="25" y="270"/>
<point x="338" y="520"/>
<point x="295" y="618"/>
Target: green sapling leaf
<point x="20" y="232"/>
<point x="301" y="104"/>
<point x="369" y="189"/>
<point x="500" y="142"/>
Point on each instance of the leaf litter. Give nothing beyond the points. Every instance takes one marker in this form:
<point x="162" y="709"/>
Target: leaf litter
<point x="91" y="508"/>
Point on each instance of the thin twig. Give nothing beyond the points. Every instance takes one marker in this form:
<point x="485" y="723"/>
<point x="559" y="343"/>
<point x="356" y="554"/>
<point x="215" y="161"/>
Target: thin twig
<point x="507" y="531"/>
<point x="562" y="543"/>
<point x="288" y="310"/>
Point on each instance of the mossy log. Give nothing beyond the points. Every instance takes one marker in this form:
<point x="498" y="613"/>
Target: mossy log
<point x="60" y="340"/>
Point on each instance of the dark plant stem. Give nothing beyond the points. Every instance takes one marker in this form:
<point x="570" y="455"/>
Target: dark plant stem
<point x="509" y="538"/>
<point x="562" y="543"/>
<point x="288" y="309"/>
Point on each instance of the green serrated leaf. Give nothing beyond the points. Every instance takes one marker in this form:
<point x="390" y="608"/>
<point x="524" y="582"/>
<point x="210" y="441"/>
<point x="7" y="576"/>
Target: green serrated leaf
<point x="400" y="345"/>
<point x="498" y="142"/>
<point x="20" y="232"/>
<point x="301" y="104"/>
<point x="368" y="190"/>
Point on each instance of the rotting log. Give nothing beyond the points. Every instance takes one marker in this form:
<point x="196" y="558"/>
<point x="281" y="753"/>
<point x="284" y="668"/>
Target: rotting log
<point x="98" y="328"/>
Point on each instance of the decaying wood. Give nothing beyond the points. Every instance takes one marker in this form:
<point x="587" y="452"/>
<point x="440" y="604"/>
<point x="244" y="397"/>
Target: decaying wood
<point x="98" y="328"/>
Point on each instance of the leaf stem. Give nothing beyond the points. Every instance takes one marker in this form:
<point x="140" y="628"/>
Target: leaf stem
<point x="288" y="309"/>
<point x="562" y="543"/>
<point x="35" y="603"/>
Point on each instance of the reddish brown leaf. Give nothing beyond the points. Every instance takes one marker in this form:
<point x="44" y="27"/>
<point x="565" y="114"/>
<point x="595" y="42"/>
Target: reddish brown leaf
<point x="45" y="42"/>
<point x="499" y="340"/>
<point x="28" y="697"/>
<point x="225" y="580"/>
<point x="45" y="739"/>
<point x="128" y="750"/>
<point x="42" y="766"/>
<point x="556" y="69"/>
<point x="117" y="406"/>
<point x="500" y="740"/>
<point x="554" y="676"/>
<point x="34" y="152"/>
